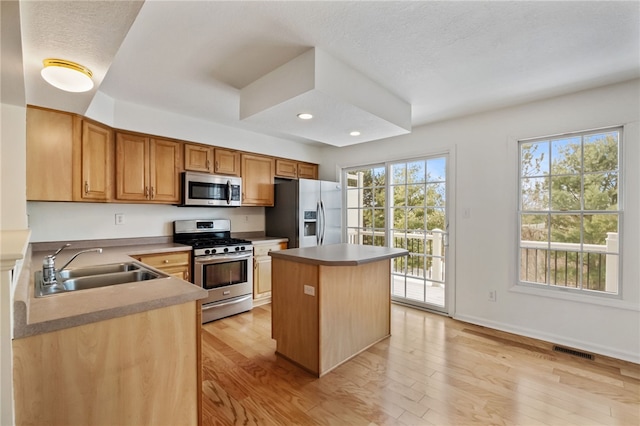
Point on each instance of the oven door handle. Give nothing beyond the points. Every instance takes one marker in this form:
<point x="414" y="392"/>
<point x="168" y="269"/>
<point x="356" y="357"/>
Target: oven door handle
<point x="233" y="302"/>
<point x="221" y="258"/>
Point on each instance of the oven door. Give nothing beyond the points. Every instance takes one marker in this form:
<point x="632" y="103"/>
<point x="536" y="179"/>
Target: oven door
<point x="224" y="276"/>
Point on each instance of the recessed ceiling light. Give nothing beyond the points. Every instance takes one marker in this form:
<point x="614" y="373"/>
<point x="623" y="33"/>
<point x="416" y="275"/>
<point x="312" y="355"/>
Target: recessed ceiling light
<point x="66" y="75"/>
<point x="305" y="116"/>
<point x="355" y="133"/>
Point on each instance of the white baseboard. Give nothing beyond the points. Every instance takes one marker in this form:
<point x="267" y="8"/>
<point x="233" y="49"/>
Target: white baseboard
<point x="552" y="338"/>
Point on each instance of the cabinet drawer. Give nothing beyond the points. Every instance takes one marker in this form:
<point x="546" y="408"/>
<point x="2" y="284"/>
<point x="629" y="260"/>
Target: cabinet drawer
<point x="264" y="249"/>
<point x="164" y="260"/>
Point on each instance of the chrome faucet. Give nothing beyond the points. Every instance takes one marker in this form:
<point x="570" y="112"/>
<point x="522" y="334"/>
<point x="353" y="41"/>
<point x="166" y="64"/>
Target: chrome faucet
<point x="49" y="264"/>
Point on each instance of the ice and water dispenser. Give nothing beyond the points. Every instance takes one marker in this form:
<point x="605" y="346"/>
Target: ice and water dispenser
<point x="310" y="223"/>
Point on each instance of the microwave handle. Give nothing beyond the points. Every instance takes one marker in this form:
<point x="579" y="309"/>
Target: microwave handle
<point x="228" y="192"/>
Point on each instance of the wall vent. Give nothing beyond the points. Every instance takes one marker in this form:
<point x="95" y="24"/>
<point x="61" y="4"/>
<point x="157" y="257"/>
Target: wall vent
<point x="573" y="352"/>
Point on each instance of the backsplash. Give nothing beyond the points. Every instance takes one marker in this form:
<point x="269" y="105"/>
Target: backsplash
<point x="59" y="221"/>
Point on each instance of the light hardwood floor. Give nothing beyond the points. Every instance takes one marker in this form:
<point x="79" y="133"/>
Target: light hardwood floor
<point x="432" y="370"/>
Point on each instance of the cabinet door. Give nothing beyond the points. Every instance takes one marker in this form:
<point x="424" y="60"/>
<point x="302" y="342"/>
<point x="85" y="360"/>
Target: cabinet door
<point x="198" y="158"/>
<point x="164" y="168"/>
<point x="96" y="162"/>
<point x="286" y="168"/>
<point x="50" y="139"/>
<point x="132" y="167"/>
<point x="227" y="162"/>
<point x="177" y="264"/>
<point x="307" y="171"/>
<point x="262" y="277"/>
<point x="257" y="180"/>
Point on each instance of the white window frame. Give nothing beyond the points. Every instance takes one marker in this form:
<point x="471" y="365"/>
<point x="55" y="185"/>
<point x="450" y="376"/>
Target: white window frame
<point x="582" y="211"/>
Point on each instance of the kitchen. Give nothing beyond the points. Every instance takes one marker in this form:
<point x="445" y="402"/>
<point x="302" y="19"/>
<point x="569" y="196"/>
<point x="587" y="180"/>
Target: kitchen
<point x="613" y="102"/>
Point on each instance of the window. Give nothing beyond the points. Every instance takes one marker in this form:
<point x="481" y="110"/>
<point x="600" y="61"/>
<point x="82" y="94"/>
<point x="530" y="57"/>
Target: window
<point x="366" y="204"/>
<point x="570" y="211"/>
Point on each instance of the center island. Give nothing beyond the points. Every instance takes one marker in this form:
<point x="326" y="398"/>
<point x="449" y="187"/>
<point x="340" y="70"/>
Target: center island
<point x="329" y="303"/>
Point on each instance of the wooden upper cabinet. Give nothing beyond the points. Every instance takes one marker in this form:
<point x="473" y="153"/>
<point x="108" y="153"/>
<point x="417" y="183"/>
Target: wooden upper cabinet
<point x="295" y="169"/>
<point x="147" y="169"/>
<point x="198" y="158"/>
<point x="227" y="162"/>
<point x="307" y="171"/>
<point x="165" y="159"/>
<point x="95" y="163"/>
<point x="51" y="136"/>
<point x="257" y="180"/>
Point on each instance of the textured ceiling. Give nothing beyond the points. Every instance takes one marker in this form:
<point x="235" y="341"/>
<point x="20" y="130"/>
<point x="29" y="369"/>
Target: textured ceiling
<point x="446" y="59"/>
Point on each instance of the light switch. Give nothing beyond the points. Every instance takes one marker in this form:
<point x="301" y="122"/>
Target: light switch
<point x="310" y="290"/>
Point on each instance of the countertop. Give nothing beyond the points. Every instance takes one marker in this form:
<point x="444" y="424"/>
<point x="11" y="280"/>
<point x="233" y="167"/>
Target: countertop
<point x="34" y="315"/>
<point x="267" y="240"/>
<point x="339" y="254"/>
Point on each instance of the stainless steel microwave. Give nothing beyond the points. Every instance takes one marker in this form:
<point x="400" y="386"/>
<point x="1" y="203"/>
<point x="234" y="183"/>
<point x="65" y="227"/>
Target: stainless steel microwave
<point x="202" y="189"/>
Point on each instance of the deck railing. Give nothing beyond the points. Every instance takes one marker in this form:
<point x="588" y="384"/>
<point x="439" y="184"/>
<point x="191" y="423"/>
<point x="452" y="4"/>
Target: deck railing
<point x="559" y="264"/>
<point x="426" y="252"/>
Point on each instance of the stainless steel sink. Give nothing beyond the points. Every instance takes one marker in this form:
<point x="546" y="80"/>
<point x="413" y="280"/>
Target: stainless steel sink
<point x="97" y="270"/>
<point x="95" y="276"/>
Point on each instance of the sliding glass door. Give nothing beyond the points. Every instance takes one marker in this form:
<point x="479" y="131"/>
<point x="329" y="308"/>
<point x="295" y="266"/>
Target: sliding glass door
<point x="404" y="205"/>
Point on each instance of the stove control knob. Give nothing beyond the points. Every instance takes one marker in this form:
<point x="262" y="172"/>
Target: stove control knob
<point x="207" y="251"/>
<point x="213" y="251"/>
<point x="226" y="250"/>
<point x="237" y="248"/>
<point x="242" y="248"/>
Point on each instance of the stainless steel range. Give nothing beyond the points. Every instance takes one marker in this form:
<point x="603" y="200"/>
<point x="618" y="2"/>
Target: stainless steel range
<point x="221" y="264"/>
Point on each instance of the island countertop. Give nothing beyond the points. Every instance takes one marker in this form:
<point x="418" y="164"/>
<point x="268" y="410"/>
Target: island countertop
<point x="33" y="315"/>
<point x="339" y="254"/>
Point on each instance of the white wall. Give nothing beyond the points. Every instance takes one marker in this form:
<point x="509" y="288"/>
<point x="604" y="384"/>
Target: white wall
<point x="51" y="221"/>
<point x="13" y="184"/>
<point x="129" y="116"/>
<point x="485" y="148"/>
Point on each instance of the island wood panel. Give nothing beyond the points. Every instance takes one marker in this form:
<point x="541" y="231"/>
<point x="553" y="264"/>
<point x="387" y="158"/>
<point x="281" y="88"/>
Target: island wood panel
<point x="355" y="310"/>
<point x="137" y="369"/>
<point x="295" y="314"/>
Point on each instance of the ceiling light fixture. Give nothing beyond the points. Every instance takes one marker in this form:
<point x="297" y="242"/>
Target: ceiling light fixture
<point x="67" y="75"/>
<point x="355" y="133"/>
<point x="305" y="116"/>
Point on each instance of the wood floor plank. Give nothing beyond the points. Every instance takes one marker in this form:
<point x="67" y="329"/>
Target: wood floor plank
<point x="432" y="371"/>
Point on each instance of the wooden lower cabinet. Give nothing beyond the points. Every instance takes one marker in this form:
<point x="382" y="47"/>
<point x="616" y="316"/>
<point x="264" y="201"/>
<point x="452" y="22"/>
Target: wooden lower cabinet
<point x="140" y="369"/>
<point x="177" y="264"/>
<point x="262" y="270"/>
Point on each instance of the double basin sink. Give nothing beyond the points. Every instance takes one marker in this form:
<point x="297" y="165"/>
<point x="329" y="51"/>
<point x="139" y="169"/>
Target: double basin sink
<point x="89" y="277"/>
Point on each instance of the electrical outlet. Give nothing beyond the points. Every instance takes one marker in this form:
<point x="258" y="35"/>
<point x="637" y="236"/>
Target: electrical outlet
<point x="119" y="219"/>
<point x="246" y="219"/>
<point x="310" y="290"/>
<point x="493" y="296"/>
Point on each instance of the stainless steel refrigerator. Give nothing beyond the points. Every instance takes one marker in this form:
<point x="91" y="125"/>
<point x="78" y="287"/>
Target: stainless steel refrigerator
<point x="307" y="212"/>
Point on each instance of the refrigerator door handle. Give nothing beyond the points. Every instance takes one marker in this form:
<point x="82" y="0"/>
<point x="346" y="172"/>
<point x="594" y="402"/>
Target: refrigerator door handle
<point x="318" y="242"/>
<point x="324" y="223"/>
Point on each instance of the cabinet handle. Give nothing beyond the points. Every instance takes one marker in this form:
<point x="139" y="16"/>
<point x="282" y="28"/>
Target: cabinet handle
<point x="86" y="187"/>
<point x="217" y="165"/>
<point x="146" y="192"/>
<point x="208" y="165"/>
<point x="295" y="170"/>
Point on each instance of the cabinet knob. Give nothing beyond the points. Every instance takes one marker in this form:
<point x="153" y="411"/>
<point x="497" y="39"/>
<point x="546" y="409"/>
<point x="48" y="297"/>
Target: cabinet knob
<point x="153" y="193"/>
<point x="166" y="261"/>
<point x="86" y="187"/>
<point x="146" y="192"/>
<point x="208" y="165"/>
